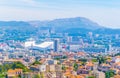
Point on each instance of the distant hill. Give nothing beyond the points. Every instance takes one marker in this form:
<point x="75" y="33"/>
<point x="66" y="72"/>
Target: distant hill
<point x="16" y="30"/>
<point x="16" y="25"/>
<point x="75" y="25"/>
<point x="67" y="23"/>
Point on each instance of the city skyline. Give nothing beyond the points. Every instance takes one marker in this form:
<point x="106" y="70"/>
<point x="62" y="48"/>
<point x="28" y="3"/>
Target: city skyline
<point x="105" y="13"/>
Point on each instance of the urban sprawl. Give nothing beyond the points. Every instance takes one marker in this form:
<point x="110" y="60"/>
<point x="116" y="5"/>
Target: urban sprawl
<point x="60" y="55"/>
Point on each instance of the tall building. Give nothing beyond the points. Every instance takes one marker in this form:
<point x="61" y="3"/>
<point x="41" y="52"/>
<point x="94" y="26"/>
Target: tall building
<point x="116" y="36"/>
<point x="56" y="45"/>
<point x="69" y="39"/>
<point x="52" y="30"/>
<point x="90" y="34"/>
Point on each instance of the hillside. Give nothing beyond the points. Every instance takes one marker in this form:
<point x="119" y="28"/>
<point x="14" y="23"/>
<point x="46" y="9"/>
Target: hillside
<point x="67" y="23"/>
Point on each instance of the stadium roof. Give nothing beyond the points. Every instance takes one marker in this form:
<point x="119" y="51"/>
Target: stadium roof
<point x="42" y="45"/>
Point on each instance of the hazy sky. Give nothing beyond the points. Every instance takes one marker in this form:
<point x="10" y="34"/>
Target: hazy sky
<point x="104" y="12"/>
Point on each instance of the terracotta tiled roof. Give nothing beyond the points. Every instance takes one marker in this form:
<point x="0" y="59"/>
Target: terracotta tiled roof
<point x="89" y="64"/>
<point x="117" y="57"/>
<point x="109" y="60"/>
<point x="11" y="71"/>
<point x="79" y="76"/>
<point x="68" y="74"/>
<point x="117" y="76"/>
<point x="73" y="76"/>
<point x="81" y="53"/>
<point x="14" y="60"/>
<point x="118" y="63"/>
<point x="16" y="70"/>
<point x="81" y="67"/>
<point x="106" y="65"/>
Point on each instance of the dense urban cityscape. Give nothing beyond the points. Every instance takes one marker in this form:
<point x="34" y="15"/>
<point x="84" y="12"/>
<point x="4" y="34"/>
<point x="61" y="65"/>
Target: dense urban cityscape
<point x="59" y="39"/>
<point x="60" y="55"/>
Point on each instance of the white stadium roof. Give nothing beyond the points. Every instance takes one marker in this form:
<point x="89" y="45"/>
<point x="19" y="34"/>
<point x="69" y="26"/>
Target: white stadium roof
<point x="45" y="44"/>
<point x="29" y="43"/>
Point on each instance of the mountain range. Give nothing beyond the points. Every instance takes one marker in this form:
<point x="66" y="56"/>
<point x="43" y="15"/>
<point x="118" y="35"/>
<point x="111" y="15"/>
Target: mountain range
<point x="70" y="25"/>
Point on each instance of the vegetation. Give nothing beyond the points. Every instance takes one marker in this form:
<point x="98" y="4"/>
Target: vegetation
<point x="37" y="76"/>
<point x="101" y="60"/>
<point x="94" y="60"/>
<point x="3" y="75"/>
<point x="57" y="58"/>
<point x="64" y="57"/>
<point x="83" y="60"/>
<point x="19" y="65"/>
<point x="63" y="67"/>
<point x="75" y="66"/>
<point x="109" y="74"/>
<point x="91" y="77"/>
<point x="83" y="63"/>
<point x="118" y="54"/>
<point x="4" y="68"/>
<point x="36" y="62"/>
<point x="58" y="63"/>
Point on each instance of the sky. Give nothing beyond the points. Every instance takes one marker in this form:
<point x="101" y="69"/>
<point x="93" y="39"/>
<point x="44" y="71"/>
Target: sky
<point x="104" y="12"/>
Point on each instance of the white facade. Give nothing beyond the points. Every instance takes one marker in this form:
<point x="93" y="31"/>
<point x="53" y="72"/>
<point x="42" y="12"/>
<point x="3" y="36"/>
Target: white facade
<point x="48" y="45"/>
<point x="42" y="68"/>
<point x="74" y="47"/>
<point x="116" y="59"/>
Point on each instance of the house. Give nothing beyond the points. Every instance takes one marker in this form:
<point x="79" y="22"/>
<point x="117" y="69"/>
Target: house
<point x="56" y="55"/>
<point x="52" y="68"/>
<point x="70" y="75"/>
<point x="42" y="68"/>
<point x="89" y="66"/>
<point x="35" y="68"/>
<point x="104" y="67"/>
<point x="116" y="59"/>
<point x="117" y="65"/>
<point x="99" y="74"/>
<point x="9" y="61"/>
<point x="58" y="68"/>
<point x="14" y="73"/>
<point x="82" y="71"/>
<point x="50" y="62"/>
<point x="117" y="76"/>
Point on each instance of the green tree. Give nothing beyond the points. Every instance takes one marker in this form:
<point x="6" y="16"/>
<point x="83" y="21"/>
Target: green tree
<point x="37" y="76"/>
<point x="58" y="63"/>
<point x="36" y="62"/>
<point x="2" y="75"/>
<point x="109" y="73"/>
<point x="101" y="60"/>
<point x="64" y="57"/>
<point x="63" y="67"/>
<point x="94" y="60"/>
<point x="83" y="60"/>
<point x="91" y="77"/>
<point x="2" y="69"/>
<point x="57" y="58"/>
<point x="20" y="65"/>
<point x="75" y="66"/>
